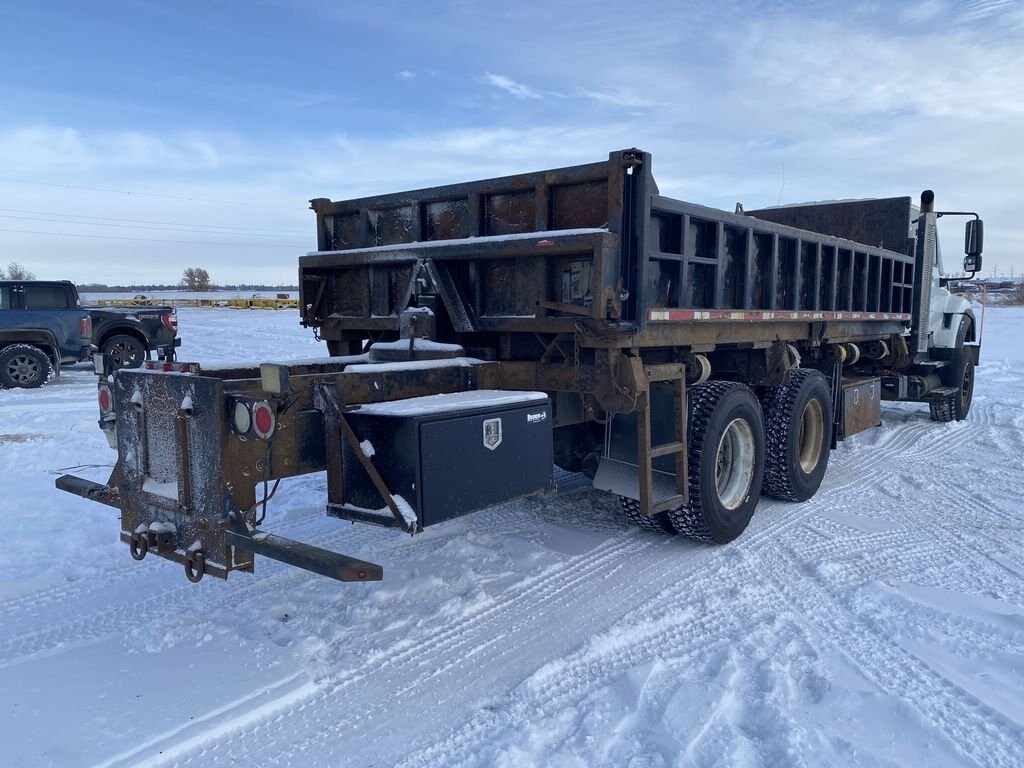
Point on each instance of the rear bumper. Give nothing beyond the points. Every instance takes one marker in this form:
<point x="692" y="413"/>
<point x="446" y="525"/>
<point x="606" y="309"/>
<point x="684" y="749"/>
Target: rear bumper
<point x="166" y="351"/>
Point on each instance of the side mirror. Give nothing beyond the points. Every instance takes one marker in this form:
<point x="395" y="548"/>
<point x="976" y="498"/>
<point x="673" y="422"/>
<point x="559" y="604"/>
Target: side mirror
<point x="974" y="236"/>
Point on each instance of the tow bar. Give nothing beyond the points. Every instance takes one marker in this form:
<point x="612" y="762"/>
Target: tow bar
<point x="239" y="535"/>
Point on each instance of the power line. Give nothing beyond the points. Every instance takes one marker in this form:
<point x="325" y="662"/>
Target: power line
<point x="148" y="221"/>
<point x="151" y="194"/>
<point x="149" y="239"/>
<point x="139" y="226"/>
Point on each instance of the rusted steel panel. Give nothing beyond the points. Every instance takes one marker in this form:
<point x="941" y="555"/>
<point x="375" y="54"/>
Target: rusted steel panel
<point x="862" y="405"/>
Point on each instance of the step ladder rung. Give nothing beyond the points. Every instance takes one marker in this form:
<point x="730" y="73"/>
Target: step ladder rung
<point x="665" y="449"/>
<point x="672" y="502"/>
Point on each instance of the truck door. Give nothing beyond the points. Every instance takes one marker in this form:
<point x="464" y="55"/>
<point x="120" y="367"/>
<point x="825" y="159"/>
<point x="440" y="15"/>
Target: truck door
<point x="47" y="306"/>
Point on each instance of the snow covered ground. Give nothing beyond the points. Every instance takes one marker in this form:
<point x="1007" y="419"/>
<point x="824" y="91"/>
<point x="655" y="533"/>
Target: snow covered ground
<point x="879" y="624"/>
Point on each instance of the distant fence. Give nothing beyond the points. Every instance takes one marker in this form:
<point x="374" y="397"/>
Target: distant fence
<point x="252" y="303"/>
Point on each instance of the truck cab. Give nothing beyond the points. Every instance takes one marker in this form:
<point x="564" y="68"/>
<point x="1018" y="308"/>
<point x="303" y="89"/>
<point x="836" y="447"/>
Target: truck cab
<point x="42" y="327"/>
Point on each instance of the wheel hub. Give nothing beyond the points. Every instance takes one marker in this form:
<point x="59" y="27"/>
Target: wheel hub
<point x="967" y="385"/>
<point x="734" y="464"/>
<point x="23" y="368"/>
<point x="809" y="438"/>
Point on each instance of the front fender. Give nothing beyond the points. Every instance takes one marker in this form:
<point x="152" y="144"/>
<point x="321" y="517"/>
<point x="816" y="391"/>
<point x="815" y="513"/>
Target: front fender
<point x="947" y="310"/>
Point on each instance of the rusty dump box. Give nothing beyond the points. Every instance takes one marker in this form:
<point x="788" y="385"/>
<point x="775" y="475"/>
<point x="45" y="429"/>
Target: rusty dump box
<point x="542" y="251"/>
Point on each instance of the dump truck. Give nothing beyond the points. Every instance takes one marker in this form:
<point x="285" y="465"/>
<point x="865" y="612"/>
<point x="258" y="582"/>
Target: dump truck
<point x="686" y="359"/>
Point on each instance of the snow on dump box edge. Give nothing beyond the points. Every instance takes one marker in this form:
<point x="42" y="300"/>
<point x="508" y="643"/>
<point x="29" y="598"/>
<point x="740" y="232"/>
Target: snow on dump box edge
<point x="423" y="345"/>
<point x="417" y="244"/>
<point x="455" y="401"/>
<point x="408" y="365"/>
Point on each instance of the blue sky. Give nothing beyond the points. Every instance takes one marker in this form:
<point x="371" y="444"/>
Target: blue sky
<point x="124" y="125"/>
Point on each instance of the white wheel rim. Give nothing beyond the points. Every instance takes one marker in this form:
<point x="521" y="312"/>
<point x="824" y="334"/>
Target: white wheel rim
<point x="734" y="464"/>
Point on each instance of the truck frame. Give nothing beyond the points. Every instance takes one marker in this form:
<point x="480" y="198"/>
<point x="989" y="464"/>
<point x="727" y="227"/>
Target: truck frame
<point x="685" y="358"/>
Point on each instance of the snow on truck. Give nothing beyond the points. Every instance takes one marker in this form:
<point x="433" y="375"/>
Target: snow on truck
<point x="686" y="359"/>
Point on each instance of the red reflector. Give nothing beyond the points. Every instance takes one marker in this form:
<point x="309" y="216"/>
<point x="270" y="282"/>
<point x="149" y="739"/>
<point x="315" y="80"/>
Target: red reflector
<point x="545" y="243"/>
<point x="150" y="366"/>
<point x="263" y="419"/>
<point x="104" y="396"/>
<point x="361" y="574"/>
<point x="168" y="366"/>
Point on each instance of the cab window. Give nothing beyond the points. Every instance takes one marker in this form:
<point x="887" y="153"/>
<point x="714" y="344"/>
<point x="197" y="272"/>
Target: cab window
<point x="5" y="297"/>
<point x="46" y="297"/>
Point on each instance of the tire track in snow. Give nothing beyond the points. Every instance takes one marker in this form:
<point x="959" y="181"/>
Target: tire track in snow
<point x="676" y="620"/>
<point x="453" y="642"/>
<point x="639" y="581"/>
<point x="981" y="732"/>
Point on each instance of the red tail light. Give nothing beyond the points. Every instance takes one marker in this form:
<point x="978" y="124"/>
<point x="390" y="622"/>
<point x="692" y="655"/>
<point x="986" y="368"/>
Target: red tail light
<point x="85" y="327"/>
<point x="106" y="400"/>
<point x="171" y="321"/>
<point x="264" y="419"/>
<point x="153" y="365"/>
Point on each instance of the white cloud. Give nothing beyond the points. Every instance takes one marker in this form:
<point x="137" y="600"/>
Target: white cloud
<point x="56" y="148"/>
<point x="509" y="85"/>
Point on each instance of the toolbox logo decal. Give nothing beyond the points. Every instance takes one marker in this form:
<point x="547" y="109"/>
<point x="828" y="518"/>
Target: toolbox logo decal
<point x="492" y="433"/>
<point x="535" y="418"/>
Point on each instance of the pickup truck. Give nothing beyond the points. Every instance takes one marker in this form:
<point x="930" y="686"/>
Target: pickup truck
<point x="42" y="326"/>
<point x="127" y="336"/>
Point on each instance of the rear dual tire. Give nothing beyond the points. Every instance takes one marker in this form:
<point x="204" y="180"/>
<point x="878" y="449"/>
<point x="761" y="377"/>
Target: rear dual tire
<point x="725" y="465"/>
<point x="740" y="447"/>
<point x="798" y="430"/>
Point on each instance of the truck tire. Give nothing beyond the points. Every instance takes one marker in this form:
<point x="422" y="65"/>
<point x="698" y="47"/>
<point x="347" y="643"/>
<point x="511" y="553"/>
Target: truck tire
<point x="725" y="462"/>
<point x="959" y="374"/>
<point x="24" y="366"/>
<point x="123" y="351"/>
<point x="658" y="523"/>
<point x="798" y="435"/>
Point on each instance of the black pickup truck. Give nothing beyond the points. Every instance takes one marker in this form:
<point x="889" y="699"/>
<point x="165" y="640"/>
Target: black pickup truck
<point x="128" y="335"/>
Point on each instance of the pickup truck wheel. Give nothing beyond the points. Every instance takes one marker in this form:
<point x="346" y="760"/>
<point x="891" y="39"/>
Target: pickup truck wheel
<point x="959" y="374"/>
<point x="798" y="433"/>
<point x="24" y="366"/>
<point x="725" y="462"/>
<point x="123" y="351"/>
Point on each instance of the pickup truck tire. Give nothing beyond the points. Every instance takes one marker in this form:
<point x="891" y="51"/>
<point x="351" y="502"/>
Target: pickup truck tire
<point x="725" y="462"/>
<point x="123" y="351"/>
<point x="798" y="434"/>
<point x="960" y="374"/>
<point x="24" y="366"/>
